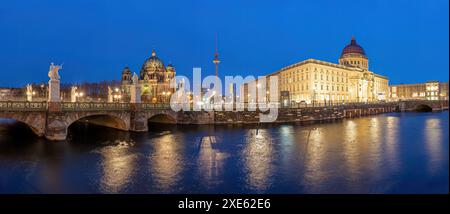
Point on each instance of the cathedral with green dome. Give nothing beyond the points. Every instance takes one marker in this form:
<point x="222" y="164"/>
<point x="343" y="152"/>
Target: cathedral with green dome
<point x="154" y="81"/>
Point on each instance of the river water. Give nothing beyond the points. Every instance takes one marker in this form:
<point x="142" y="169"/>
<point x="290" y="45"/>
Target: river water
<point x="389" y="153"/>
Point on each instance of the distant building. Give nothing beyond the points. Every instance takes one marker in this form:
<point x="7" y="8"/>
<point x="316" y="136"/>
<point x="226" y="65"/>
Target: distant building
<point x="12" y="93"/>
<point x="323" y="82"/>
<point x="431" y="90"/>
<point x="154" y="79"/>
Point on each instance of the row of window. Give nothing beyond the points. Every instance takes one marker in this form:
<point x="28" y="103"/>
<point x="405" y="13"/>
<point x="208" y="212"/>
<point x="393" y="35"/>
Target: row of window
<point x="322" y="88"/>
<point x="301" y="78"/>
<point x="355" y="63"/>
<point x="327" y="88"/>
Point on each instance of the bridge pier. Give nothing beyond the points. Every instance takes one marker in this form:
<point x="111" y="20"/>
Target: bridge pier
<point x="138" y="122"/>
<point x="56" y="127"/>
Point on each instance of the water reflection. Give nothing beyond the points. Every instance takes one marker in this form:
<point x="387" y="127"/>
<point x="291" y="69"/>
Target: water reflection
<point x="118" y="165"/>
<point x="257" y="155"/>
<point x="391" y="153"/>
<point x="211" y="162"/>
<point x="314" y="157"/>
<point x="391" y="138"/>
<point x="166" y="162"/>
<point x="351" y="152"/>
<point x="433" y="143"/>
<point x="374" y="148"/>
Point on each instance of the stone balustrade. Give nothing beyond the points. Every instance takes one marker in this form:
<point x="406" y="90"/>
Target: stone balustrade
<point x="22" y="106"/>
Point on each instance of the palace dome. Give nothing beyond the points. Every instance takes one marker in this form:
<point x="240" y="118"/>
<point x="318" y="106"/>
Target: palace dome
<point x="353" y="49"/>
<point x="152" y="65"/>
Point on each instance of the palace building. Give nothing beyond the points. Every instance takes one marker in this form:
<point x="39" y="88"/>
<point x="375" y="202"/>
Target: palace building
<point x="323" y="82"/>
<point x="154" y="81"/>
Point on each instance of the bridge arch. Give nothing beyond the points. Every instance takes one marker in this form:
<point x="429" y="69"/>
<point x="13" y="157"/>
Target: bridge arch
<point x="162" y="118"/>
<point x="119" y="121"/>
<point x="34" y="120"/>
<point x="423" y="108"/>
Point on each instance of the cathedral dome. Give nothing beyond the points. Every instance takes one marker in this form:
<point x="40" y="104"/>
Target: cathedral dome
<point x="152" y="65"/>
<point x="353" y="49"/>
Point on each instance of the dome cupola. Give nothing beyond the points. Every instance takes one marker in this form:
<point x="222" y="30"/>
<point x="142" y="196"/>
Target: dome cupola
<point x="152" y="68"/>
<point x="353" y="55"/>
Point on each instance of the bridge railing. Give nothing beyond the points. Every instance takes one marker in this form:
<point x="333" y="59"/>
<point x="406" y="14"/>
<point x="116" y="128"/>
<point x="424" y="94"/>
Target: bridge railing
<point x="22" y="106"/>
<point x="94" y="106"/>
<point x="149" y="106"/>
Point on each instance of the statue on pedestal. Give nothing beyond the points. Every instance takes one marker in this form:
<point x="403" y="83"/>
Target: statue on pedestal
<point x="54" y="83"/>
<point x="29" y="93"/>
<point x="135" y="90"/>
<point x="73" y="94"/>
<point x="110" y="95"/>
<point x="53" y="71"/>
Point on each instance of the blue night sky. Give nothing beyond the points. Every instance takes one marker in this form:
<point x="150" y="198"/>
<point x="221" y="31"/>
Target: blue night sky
<point x="408" y="41"/>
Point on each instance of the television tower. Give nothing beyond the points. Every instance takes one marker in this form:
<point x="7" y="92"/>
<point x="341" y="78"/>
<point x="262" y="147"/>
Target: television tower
<point x="216" y="60"/>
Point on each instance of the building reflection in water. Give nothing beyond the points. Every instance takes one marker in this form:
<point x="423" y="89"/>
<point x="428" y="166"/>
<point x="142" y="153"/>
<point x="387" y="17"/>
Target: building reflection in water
<point x="118" y="165"/>
<point x="211" y="162"/>
<point x="391" y="134"/>
<point x="374" y="149"/>
<point x="351" y="151"/>
<point x="258" y="156"/>
<point x="166" y="162"/>
<point x="314" y="157"/>
<point x="433" y="143"/>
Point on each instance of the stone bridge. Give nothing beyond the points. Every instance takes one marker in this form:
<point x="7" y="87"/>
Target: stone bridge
<point x="52" y="120"/>
<point x="423" y="105"/>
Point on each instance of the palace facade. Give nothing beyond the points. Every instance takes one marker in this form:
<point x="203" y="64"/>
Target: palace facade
<point x="154" y="81"/>
<point x="323" y="82"/>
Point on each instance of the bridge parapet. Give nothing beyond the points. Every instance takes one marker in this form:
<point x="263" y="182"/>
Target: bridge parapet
<point x="152" y="106"/>
<point x="94" y="106"/>
<point x="23" y="106"/>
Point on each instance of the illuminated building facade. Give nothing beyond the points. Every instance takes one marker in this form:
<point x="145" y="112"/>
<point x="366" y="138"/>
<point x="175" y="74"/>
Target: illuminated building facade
<point x="154" y="80"/>
<point x="324" y="82"/>
<point x="431" y="90"/>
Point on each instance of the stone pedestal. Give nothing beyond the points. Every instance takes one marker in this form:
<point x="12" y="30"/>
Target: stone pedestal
<point x="135" y="91"/>
<point x="53" y="91"/>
